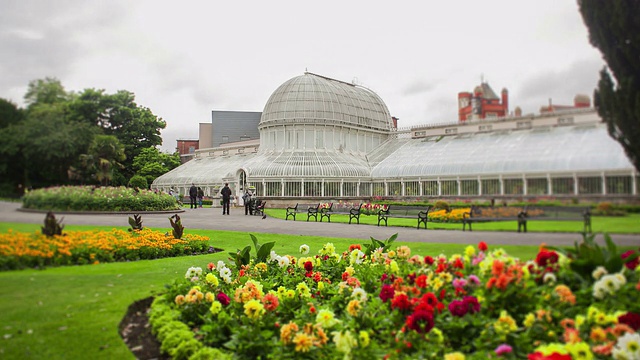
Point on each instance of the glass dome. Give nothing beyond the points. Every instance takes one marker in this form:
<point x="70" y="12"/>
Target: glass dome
<point x="312" y="98"/>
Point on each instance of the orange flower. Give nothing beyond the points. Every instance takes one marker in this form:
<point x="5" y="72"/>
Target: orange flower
<point x="497" y="268"/>
<point x="571" y="336"/>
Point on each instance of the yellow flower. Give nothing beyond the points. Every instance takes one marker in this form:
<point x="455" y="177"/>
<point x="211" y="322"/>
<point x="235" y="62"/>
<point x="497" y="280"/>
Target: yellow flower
<point x="454" y="356"/>
<point x="215" y="308"/>
<point x="209" y="297"/>
<point x="364" y="339"/>
<point x="505" y="324"/>
<point x="326" y="318"/>
<point x="303" y="290"/>
<point x="303" y="342"/>
<point x="262" y="267"/>
<point x="349" y="270"/>
<point x="353" y="307"/>
<point x="529" y="320"/>
<point x="254" y="309"/>
<point x="438" y="333"/>
<point x="470" y="251"/>
<point x="580" y="320"/>
<point x="391" y="254"/>
<point x="344" y="342"/>
<point x="320" y="285"/>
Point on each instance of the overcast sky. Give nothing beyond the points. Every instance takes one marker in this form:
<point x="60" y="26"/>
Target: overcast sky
<point x="183" y="59"/>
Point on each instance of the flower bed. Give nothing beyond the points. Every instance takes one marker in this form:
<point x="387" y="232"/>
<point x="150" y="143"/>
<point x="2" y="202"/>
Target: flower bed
<point x="373" y="302"/>
<point x="25" y="250"/>
<point x="91" y="198"/>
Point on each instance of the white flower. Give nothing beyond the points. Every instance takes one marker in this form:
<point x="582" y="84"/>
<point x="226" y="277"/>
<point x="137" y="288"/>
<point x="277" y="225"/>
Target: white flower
<point x="225" y="272"/>
<point x="628" y="347"/>
<point x="226" y="278"/>
<point x="273" y="256"/>
<point x="359" y="294"/>
<point x="356" y="256"/>
<point x="599" y="272"/>
<point x="304" y="249"/>
<point x="611" y="282"/>
<point x="549" y="278"/>
<point x="221" y="264"/>
<point x="193" y="272"/>
<point x="599" y="290"/>
<point x="283" y="261"/>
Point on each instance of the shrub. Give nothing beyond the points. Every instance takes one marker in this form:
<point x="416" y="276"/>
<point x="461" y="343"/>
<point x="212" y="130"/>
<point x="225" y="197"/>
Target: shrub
<point x="139" y="182"/>
<point x="442" y="205"/>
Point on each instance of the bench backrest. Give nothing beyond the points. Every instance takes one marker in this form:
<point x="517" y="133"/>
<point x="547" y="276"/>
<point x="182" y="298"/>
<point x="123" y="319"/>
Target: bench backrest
<point x="407" y="210"/>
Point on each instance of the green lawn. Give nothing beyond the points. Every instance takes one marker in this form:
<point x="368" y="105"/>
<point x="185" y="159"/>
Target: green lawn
<point x="73" y="312"/>
<point x="629" y="224"/>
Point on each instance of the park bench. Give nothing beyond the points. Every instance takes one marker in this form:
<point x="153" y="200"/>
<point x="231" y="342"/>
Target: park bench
<point x="421" y="213"/>
<point x="478" y="214"/>
<point x="526" y="214"/>
<point x="353" y="212"/>
<point x="310" y="209"/>
<point x="257" y="207"/>
<point x="559" y="213"/>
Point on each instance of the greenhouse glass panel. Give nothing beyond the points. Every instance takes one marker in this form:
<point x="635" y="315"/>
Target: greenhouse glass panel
<point x="469" y="187"/>
<point x="332" y="189"/>
<point x="313" y="188"/>
<point x="364" y="189"/>
<point x="259" y="190"/>
<point x="590" y="185"/>
<point x="319" y="139"/>
<point x="430" y="188"/>
<point x="490" y="187"/>
<point x="618" y="184"/>
<point x="378" y="189"/>
<point x="293" y="188"/>
<point x="537" y="187"/>
<point x="395" y="188"/>
<point x="513" y="187"/>
<point x="273" y="188"/>
<point x="562" y="186"/>
<point x="350" y="189"/>
<point x="412" y="188"/>
<point x="449" y="187"/>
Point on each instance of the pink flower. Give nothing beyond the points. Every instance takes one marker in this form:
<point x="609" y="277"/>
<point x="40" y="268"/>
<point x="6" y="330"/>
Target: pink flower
<point x="473" y="280"/>
<point x="503" y="349"/>
<point x="631" y="265"/>
<point x="223" y="298"/>
<point x="458" y="308"/>
<point x="459" y="283"/>
<point x="472" y="303"/>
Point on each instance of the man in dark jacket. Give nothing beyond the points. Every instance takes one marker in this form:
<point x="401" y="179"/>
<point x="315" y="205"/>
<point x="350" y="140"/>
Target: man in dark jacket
<point x="193" y="194"/>
<point x="226" y="198"/>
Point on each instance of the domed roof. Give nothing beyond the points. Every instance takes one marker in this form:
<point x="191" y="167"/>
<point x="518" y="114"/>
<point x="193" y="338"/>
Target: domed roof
<point x="312" y="98"/>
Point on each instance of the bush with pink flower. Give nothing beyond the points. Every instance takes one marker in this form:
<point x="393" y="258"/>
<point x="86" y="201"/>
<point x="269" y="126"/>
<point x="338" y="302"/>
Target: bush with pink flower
<point x="376" y="301"/>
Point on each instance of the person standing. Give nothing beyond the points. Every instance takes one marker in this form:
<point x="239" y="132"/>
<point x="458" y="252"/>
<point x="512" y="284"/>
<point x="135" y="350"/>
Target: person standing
<point x="226" y="198"/>
<point x="246" y="199"/>
<point x="193" y="194"/>
<point x="200" y="196"/>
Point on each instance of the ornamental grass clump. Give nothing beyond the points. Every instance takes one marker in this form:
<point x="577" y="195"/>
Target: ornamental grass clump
<point x="381" y="301"/>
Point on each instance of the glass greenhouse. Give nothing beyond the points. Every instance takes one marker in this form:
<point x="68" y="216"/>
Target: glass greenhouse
<point x="324" y="138"/>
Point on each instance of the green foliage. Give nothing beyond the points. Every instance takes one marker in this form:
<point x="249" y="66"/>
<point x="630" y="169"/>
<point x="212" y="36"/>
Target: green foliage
<point x="135" y="222"/>
<point x="139" y="182"/>
<point x="615" y="31"/>
<point x="51" y="225"/>
<point x="243" y="257"/>
<point x="10" y="114"/>
<point x="385" y="245"/>
<point x="176" y="224"/>
<point x="90" y="198"/>
<point x="45" y="91"/>
<point x="588" y="255"/>
<point x="151" y="163"/>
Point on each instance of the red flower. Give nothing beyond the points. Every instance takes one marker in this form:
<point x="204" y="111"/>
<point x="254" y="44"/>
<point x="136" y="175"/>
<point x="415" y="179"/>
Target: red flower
<point x="546" y="257"/>
<point x="211" y="266"/>
<point x="270" y="302"/>
<point x="555" y="356"/>
<point x="308" y="266"/>
<point x="354" y="246"/>
<point x="411" y="277"/>
<point x="420" y="321"/>
<point x="223" y="298"/>
<point x="386" y="292"/>
<point x="482" y="246"/>
<point x="400" y="301"/>
<point x="631" y="319"/>
<point x="430" y="298"/>
<point x="428" y="260"/>
<point x="633" y="263"/>
<point x="421" y="281"/>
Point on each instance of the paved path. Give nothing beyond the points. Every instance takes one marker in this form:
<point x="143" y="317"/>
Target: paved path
<point x="212" y="218"/>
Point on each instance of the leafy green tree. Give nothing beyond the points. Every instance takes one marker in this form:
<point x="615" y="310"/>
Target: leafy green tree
<point x="614" y="28"/>
<point x="10" y="114"/>
<point x="117" y="114"/>
<point x="151" y="163"/>
<point x="45" y="91"/>
<point x="139" y="182"/>
<point x="105" y="153"/>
